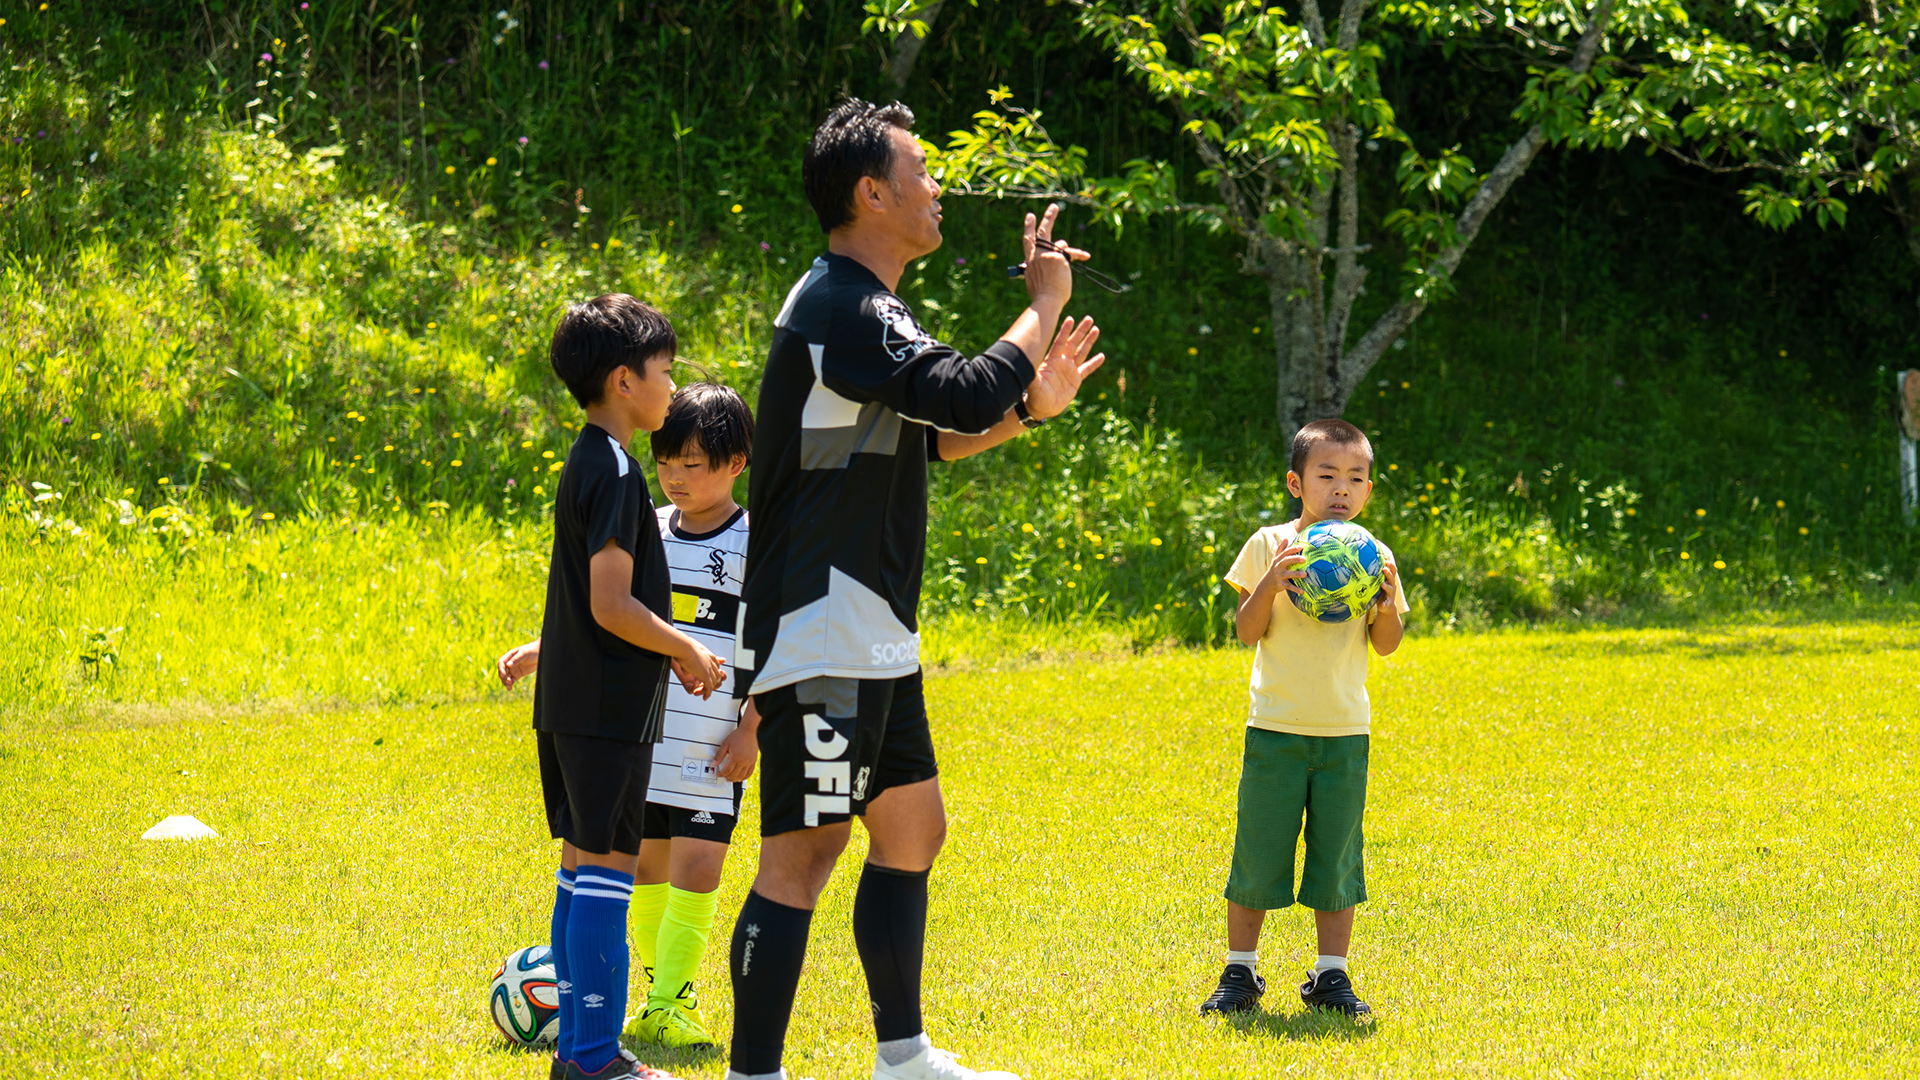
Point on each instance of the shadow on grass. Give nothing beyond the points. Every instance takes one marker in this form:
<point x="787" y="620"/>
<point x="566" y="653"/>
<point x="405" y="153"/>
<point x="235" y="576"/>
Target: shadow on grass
<point x="1308" y="1025"/>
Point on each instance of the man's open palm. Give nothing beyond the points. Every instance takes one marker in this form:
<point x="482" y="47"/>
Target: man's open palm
<point x="1066" y="366"/>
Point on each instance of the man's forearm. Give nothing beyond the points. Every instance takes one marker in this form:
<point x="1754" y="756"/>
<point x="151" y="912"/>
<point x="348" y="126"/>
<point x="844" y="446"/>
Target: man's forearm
<point x="954" y="446"/>
<point x="1033" y="330"/>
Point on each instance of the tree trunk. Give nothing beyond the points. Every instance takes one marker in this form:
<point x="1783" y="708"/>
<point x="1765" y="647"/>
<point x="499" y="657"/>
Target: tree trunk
<point x="907" y="46"/>
<point x="1904" y="195"/>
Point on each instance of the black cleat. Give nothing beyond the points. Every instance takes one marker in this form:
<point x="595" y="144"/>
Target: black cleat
<point x="1332" y="989"/>
<point x="624" y="1066"/>
<point x="1239" y="991"/>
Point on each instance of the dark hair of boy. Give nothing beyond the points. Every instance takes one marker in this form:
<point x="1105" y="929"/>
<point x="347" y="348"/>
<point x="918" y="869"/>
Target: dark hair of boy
<point x="1337" y="432"/>
<point x="602" y="334"/>
<point x="851" y="143"/>
<point x="705" y="418"/>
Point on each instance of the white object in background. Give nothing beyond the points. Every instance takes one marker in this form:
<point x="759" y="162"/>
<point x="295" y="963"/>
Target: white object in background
<point x="1907" y="386"/>
<point x="179" y="827"/>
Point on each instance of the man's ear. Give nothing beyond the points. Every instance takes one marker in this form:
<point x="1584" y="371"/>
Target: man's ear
<point x="866" y="192"/>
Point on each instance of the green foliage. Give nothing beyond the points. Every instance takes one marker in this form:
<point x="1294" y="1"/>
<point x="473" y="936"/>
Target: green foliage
<point x="248" y="314"/>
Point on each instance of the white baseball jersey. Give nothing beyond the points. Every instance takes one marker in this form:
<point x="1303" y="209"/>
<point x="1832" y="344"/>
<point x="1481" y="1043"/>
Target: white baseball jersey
<point x="706" y="570"/>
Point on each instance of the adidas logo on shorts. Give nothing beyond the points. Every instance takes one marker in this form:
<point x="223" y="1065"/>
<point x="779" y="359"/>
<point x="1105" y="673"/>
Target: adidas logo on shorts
<point x="702" y="818"/>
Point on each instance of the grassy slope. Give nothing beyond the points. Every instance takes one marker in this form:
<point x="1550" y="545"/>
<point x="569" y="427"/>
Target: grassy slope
<point x="1657" y="853"/>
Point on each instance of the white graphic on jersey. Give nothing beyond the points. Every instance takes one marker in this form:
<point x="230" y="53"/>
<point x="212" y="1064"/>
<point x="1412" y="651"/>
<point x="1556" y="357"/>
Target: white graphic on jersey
<point x="860" y="783"/>
<point x="829" y="775"/>
<point x="900" y="334"/>
<point x="717" y="566"/>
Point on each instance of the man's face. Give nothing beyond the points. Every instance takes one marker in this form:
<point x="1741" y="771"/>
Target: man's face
<point x="912" y="196"/>
<point x="1337" y="482"/>
<point x="695" y="484"/>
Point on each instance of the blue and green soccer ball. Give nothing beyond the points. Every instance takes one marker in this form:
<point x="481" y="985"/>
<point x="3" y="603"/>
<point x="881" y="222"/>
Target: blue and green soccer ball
<point x="1343" y="572"/>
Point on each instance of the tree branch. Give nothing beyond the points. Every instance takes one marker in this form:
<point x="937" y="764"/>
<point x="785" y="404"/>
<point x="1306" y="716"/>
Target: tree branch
<point x="1367" y="351"/>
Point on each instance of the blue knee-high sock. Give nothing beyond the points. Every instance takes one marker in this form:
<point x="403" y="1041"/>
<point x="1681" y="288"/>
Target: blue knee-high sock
<point x="597" y="962"/>
<point x="562" y="905"/>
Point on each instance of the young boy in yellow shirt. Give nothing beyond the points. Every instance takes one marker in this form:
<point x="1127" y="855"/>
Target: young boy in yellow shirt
<point x="1307" y="731"/>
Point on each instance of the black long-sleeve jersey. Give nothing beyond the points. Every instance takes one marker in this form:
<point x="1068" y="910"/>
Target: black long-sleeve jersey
<point x="854" y="394"/>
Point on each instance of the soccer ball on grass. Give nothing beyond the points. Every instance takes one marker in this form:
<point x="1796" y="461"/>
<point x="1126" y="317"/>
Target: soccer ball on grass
<point x="524" y="999"/>
<point x="1343" y="572"/>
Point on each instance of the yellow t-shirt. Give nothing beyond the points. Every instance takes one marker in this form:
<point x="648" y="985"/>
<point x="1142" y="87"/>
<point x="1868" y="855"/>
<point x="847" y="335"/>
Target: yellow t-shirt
<point x="1309" y="677"/>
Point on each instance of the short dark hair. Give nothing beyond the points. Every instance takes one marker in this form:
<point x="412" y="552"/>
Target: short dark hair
<point x="1337" y="432"/>
<point x="852" y="142"/>
<point x="602" y="334"/>
<point x="707" y="418"/>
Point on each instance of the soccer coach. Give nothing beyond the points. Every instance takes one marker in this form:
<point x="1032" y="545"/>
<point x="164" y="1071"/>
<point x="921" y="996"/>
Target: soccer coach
<point x="856" y="399"/>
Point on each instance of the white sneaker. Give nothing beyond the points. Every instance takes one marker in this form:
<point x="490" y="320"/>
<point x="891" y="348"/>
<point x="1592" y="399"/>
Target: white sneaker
<point x="933" y="1063"/>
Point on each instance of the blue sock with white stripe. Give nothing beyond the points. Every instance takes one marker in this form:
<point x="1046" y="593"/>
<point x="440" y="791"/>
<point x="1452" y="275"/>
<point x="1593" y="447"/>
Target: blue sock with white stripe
<point x="597" y="962"/>
<point x="562" y="905"/>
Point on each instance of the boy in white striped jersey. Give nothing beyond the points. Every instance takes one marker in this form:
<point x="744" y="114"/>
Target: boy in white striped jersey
<point x="693" y="799"/>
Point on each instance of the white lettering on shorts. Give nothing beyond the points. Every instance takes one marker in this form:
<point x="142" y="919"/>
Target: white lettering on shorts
<point x="828" y="774"/>
<point x="860" y="783"/>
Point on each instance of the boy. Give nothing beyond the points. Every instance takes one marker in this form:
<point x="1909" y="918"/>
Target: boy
<point x="610" y="643"/>
<point x="1306" y="740"/>
<point x="693" y="795"/>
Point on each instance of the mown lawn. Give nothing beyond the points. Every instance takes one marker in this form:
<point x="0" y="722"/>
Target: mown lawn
<point x="1594" y="854"/>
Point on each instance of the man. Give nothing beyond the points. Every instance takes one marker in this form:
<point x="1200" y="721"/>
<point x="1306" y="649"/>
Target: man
<point x="855" y="401"/>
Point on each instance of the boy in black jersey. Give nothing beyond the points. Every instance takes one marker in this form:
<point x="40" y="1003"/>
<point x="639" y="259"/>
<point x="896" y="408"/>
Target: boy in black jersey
<point x="609" y="643"/>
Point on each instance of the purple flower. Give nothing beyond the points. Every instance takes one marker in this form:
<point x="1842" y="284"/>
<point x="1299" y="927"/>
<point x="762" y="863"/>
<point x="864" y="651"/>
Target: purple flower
<point x="510" y="481"/>
<point x="961" y="261"/>
<point x="65" y="420"/>
<point x="1618" y="381"/>
<point x="41" y="134"/>
<point x="523" y="140"/>
<point x="266" y="58"/>
<point x="543" y="65"/>
<point x="303" y="7"/>
<point x="764" y="246"/>
<point x="1703" y="316"/>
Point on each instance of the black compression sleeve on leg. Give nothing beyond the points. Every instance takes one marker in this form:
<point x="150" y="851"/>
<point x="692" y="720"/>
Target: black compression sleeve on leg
<point x="769" y="945"/>
<point x="890" y="930"/>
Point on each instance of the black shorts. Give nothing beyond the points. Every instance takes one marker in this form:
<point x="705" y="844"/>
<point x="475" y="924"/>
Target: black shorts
<point x="672" y="822"/>
<point x="595" y="790"/>
<point x="828" y="746"/>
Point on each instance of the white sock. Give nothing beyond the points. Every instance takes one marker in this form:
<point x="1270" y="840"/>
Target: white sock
<point x="1328" y="963"/>
<point x="1249" y="959"/>
<point x="901" y="1051"/>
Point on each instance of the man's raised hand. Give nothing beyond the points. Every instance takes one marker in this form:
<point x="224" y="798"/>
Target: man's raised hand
<point x="1049" y="275"/>
<point x="1064" y="368"/>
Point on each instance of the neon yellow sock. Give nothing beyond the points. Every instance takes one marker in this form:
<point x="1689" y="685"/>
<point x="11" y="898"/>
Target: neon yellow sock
<point x="682" y="945"/>
<point x="643" y="917"/>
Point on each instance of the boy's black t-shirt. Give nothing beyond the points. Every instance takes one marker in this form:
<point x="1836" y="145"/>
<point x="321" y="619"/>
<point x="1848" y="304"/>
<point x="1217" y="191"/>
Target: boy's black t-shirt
<point x="591" y="681"/>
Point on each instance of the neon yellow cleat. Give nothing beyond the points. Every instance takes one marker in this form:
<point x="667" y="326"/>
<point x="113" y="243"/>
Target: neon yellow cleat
<point x="679" y="1028"/>
<point x="645" y="1028"/>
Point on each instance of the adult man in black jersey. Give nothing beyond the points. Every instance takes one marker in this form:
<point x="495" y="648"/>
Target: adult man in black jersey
<point x="855" y="401"/>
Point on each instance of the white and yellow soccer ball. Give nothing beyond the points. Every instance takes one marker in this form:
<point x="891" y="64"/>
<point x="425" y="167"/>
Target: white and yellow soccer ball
<point x="1344" y="571"/>
<point x="524" y="999"/>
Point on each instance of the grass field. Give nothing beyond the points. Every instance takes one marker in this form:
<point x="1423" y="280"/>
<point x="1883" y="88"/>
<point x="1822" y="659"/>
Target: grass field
<point x="1594" y="854"/>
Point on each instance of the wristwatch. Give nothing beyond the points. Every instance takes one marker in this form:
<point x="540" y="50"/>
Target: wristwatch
<point x="1027" y="419"/>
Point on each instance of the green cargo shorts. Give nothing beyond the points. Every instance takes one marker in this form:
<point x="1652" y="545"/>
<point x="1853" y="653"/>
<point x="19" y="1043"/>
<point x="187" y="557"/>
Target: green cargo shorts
<point x="1284" y="777"/>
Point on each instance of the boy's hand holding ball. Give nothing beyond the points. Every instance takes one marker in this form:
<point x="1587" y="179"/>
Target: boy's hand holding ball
<point x="1284" y="573"/>
<point x="1389" y="598"/>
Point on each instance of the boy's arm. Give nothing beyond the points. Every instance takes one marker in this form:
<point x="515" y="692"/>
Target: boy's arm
<point x="1255" y="613"/>
<point x="517" y="663"/>
<point x="611" y="590"/>
<point x="739" y="751"/>
<point x="1387" y="628"/>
